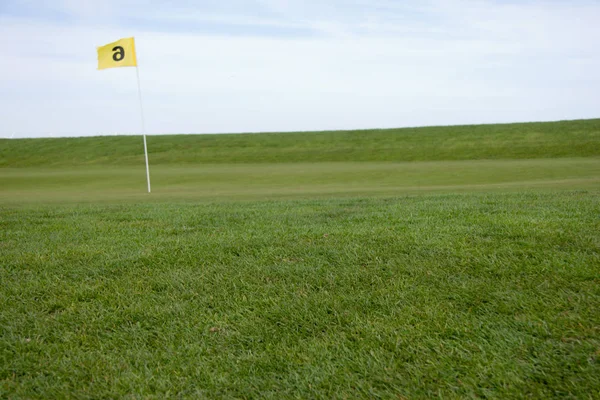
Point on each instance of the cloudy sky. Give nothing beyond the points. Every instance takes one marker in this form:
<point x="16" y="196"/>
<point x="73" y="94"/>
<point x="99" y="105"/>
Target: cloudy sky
<point x="212" y="66"/>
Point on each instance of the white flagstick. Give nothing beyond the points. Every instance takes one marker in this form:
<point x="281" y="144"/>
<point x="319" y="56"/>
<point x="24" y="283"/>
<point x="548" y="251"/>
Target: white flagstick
<point x="137" y="71"/>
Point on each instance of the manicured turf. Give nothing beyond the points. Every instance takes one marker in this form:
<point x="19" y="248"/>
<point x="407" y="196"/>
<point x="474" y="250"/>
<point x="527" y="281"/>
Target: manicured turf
<point x="225" y="182"/>
<point x="489" y="295"/>
<point x="318" y="265"/>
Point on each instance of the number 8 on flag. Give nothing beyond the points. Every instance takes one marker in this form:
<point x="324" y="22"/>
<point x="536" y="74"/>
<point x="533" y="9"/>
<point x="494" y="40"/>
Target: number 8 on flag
<point x="117" y="54"/>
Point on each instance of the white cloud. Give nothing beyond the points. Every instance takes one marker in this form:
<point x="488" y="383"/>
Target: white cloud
<point x="367" y="64"/>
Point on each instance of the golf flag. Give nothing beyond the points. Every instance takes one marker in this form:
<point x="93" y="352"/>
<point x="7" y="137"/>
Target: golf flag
<point x="117" y="54"/>
<point x="122" y="54"/>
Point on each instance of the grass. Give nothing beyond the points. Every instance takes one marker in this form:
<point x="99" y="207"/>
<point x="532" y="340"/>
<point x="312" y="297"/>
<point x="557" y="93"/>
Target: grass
<point x="213" y="182"/>
<point x="480" y="142"/>
<point x="489" y="295"/>
<point x="325" y="265"/>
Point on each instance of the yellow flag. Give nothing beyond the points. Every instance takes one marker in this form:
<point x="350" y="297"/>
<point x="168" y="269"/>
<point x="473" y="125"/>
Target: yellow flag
<point x="117" y="54"/>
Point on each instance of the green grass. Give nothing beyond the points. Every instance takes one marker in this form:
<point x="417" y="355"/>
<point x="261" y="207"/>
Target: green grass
<point x="443" y="262"/>
<point x="293" y="180"/>
<point x="509" y="141"/>
<point x="488" y="295"/>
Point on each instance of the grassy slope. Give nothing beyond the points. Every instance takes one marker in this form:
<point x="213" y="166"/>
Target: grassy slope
<point x="509" y="141"/>
<point x="562" y="155"/>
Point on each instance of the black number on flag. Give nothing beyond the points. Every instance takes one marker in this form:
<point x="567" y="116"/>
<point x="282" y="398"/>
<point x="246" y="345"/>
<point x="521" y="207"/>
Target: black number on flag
<point x="119" y="53"/>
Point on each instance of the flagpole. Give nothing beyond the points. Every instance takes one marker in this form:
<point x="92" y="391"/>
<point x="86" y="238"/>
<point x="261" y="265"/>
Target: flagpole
<point x="137" y="72"/>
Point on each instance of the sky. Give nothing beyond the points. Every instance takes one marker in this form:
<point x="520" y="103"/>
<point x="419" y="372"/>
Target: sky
<point x="225" y="66"/>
